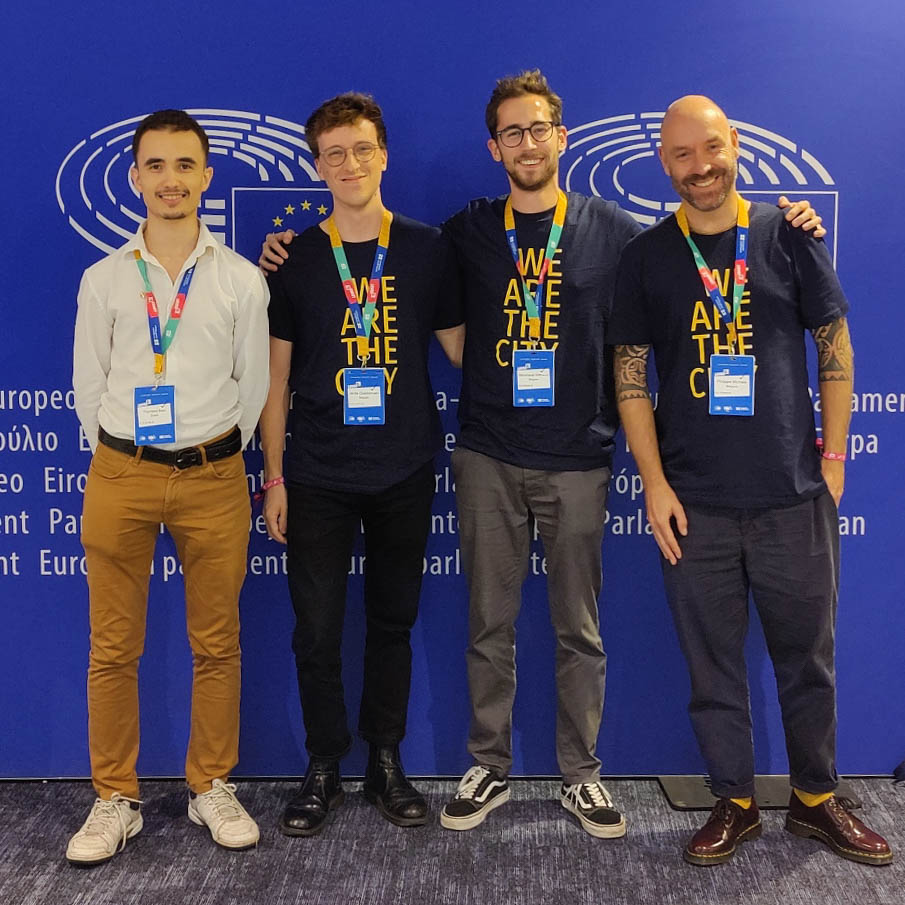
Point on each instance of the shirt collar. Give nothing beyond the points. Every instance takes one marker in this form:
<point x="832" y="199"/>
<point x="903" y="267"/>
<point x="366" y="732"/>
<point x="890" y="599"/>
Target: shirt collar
<point x="205" y="240"/>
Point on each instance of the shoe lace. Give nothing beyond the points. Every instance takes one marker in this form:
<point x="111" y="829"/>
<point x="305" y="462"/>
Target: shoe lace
<point x="724" y="810"/>
<point x="598" y="794"/>
<point x="468" y="787"/>
<point x="841" y="809"/>
<point x="222" y="800"/>
<point x="110" y="814"/>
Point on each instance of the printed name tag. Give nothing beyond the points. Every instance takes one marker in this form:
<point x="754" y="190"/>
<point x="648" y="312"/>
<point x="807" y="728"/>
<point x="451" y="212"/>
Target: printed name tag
<point x="731" y="384"/>
<point x="155" y="415"/>
<point x="364" y="401"/>
<point x="533" y="377"/>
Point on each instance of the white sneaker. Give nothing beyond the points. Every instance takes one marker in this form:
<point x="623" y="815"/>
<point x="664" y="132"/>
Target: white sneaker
<point x="219" y="810"/>
<point x="105" y="833"/>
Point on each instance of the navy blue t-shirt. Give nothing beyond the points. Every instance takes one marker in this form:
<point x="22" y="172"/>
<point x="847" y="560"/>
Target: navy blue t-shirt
<point x="761" y="461"/>
<point x="419" y="294"/>
<point x="576" y="434"/>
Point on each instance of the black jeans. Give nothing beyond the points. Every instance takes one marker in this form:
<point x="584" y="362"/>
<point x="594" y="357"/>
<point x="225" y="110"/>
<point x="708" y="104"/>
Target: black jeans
<point x="322" y="526"/>
<point x="789" y="560"/>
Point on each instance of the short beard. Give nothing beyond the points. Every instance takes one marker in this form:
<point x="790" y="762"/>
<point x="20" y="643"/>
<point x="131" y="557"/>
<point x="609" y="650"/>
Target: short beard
<point x="724" y="182"/>
<point x="545" y="177"/>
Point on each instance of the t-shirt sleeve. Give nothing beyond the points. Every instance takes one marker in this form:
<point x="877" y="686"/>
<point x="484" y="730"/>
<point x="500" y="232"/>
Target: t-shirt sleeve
<point x="628" y="325"/>
<point x="452" y="229"/>
<point x="623" y="228"/>
<point x="449" y="311"/>
<point x="282" y="323"/>
<point x="821" y="297"/>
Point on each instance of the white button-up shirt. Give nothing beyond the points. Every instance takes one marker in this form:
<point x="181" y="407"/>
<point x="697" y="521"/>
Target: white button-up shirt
<point x="218" y="359"/>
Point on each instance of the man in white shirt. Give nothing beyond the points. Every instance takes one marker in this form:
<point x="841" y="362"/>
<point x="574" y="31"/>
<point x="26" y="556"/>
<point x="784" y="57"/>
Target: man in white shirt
<point x="167" y="407"/>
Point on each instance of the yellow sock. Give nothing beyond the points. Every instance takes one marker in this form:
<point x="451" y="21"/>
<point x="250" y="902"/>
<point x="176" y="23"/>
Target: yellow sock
<point x="813" y="800"/>
<point x="743" y="802"/>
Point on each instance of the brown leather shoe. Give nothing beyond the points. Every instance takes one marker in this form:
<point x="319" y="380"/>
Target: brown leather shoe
<point x="832" y="823"/>
<point x="729" y="825"/>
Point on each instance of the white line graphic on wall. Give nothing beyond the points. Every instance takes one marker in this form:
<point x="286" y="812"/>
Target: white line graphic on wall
<point x="264" y="179"/>
<point x="616" y="158"/>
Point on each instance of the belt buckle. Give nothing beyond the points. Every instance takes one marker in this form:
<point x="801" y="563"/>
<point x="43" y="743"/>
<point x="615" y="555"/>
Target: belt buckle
<point x="187" y="458"/>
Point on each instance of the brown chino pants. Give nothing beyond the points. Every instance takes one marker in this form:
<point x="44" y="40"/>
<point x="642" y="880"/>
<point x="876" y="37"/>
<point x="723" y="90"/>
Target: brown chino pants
<point x="206" y="509"/>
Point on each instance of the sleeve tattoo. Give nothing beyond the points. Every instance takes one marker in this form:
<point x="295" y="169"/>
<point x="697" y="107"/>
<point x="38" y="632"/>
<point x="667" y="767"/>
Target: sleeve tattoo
<point x="630" y="372"/>
<point x="835" y="356"/>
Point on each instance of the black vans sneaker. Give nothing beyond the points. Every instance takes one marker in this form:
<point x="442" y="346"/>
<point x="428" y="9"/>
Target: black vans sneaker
<point x="591" y="804"/>
<point x="480" y="791"/>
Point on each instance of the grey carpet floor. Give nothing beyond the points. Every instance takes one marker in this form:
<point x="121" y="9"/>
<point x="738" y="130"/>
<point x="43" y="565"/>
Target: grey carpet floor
<point x="529" y="851"/>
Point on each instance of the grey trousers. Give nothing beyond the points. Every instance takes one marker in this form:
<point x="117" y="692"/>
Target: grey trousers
<point x="788" y="559"/>
<point x="496" y="504"/>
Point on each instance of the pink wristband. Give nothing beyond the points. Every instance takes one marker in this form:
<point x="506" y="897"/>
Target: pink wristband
<point x="834" y="457"/>
<point x="274" y="482"/>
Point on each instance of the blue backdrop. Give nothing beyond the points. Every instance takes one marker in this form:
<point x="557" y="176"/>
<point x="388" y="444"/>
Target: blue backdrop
<point x="816" y="89"/>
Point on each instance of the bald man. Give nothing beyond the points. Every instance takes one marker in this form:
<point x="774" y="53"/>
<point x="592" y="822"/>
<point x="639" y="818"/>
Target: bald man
<point x="739" y="495"/>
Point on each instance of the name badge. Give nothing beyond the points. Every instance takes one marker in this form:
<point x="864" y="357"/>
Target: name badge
<point x="732" y="385"/>
<point x="155" y="415"/>
<point x="533" y="377"/>
<point x="364" y="401"/>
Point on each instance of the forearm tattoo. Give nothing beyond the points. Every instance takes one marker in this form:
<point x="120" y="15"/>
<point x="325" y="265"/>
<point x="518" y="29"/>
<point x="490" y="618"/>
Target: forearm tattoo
<point x="630" y="371"/>
<point x="835" y="356"/>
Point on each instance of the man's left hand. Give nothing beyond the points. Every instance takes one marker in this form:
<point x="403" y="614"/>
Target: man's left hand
<point x="801" y="214"/>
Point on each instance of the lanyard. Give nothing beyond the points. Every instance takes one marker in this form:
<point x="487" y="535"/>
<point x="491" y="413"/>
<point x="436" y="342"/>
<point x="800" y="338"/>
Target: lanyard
<point x="362" y="322"/>
<point x="534" y="304"/>
<point x="161" y="344"/>
<point x="740" y="271"/>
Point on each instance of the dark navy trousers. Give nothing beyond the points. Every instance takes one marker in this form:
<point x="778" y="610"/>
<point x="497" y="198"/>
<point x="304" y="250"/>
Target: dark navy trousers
<point x="788" y="560"/>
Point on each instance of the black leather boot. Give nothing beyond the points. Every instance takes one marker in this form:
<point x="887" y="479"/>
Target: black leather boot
<point x="387" y="788"/>
<point x="320" y="793"/>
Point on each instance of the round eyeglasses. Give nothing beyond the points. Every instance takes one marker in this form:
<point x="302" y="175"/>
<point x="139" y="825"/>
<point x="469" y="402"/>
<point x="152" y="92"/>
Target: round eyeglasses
<point x="513" y="136"/>
<point x="336" y="156"/>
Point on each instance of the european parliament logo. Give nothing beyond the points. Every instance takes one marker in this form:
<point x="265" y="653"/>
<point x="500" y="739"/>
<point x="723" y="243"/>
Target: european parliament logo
<point x="616" y="158"/>
<point x="264" y="180"/>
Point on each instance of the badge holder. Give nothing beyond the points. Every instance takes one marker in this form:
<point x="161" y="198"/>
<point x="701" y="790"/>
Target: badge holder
<point x="155" y="414"/>
<point x="533" y="377"/>
<point x="732" y="385"/>
<point x="364" y="399"/>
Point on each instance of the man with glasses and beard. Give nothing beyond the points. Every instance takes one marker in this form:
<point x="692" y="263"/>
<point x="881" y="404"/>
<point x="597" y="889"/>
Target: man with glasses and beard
<point x="351" y="316"/>
<point x="535" y="444"/>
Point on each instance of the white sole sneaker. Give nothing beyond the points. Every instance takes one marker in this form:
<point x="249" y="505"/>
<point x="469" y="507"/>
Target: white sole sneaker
<point x="599" y="831"/>
<point x="230" y="825"/>
<point x="237" y="847"/>
<point x="476" y="819"/>
<point x="82" y="861"/>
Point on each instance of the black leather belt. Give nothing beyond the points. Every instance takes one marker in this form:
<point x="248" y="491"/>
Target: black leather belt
<point x="177" y="458"/>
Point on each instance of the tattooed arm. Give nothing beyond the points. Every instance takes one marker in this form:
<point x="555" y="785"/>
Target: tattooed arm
<point x="637" y="414"/>
<point x="835" y="367"/>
